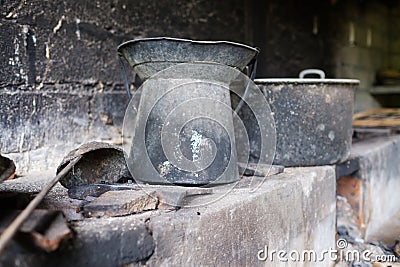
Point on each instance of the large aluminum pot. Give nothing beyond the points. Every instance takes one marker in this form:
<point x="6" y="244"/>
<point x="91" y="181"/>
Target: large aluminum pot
<point x="313" y="118"/>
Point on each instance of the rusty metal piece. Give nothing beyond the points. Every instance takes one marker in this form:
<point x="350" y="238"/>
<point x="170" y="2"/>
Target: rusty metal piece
<point x="7" y="168"/>
<point x="171" y="198"/>
<point x="253" y="169"/>
<point x="175" y="197"/>
<point x="95" y="190"/>
<point x="45" y="229"/>
<point x="101" y="163"/>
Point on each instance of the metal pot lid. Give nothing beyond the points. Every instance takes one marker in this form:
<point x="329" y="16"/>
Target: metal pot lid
<point x="302" y="80"/>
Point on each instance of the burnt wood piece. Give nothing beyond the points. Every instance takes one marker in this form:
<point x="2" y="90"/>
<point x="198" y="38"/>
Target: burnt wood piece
<point x="95" y="190"/>
<point x="100" y="163"/>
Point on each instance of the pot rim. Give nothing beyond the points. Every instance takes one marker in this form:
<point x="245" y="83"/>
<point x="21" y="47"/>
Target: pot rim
<point x="187" y="41"/>
<point x="305" y="81"/>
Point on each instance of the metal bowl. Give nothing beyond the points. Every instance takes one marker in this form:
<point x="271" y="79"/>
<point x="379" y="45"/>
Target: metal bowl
<point x="151" y="55"/>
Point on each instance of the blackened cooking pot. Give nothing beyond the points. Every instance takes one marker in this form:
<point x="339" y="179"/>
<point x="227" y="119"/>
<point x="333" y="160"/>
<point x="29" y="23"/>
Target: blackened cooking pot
<point x="313" y="118"/>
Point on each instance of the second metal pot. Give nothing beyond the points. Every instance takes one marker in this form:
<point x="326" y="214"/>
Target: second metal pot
<point x="313" y="118"/>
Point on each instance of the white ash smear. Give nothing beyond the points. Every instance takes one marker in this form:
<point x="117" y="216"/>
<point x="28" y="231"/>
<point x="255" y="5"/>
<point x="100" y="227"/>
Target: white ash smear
<point x="195" y="142"/>
<point x="321" y="127"/>
<point x="164" y="168"/>
<point x="331" y="135"/>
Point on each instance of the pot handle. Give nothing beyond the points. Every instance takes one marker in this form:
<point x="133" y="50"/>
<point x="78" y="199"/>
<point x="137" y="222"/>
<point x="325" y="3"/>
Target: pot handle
<point x="253" y="65"/>
<point x="124" y="76"/>
<point x="305" y="72"/>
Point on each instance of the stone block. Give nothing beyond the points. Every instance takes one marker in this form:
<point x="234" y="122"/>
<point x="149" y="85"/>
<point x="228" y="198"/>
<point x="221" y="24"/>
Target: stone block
<point x="380" y="176"/>
<point x="290" y="211"/>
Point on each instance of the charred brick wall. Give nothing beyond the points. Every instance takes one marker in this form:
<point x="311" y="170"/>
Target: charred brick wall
<point x="60" y="83"/>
